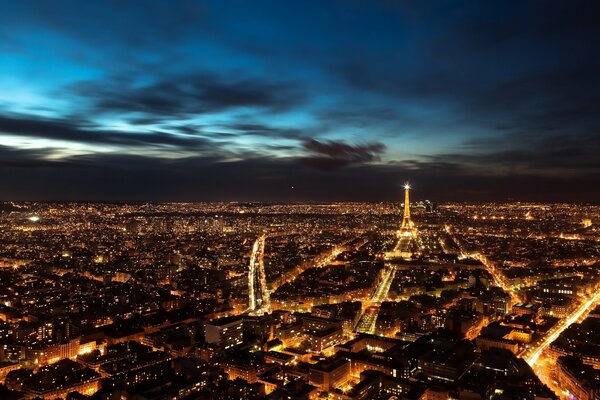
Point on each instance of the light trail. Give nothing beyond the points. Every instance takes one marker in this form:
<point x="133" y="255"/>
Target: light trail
<point x="564" y="324"/>
<point x="384" y="287"/>
<point x="252" y="276"/>
<point x="366" y="323"/>
<point x="266" y="298"/>
<point x="258" y="293"/>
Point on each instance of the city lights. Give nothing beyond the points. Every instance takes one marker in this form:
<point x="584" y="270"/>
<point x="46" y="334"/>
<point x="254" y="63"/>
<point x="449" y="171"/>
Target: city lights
<point x="313" y="200"/>
<point x="336" y="289"/>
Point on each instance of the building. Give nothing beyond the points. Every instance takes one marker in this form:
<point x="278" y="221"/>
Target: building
<point x="289" y="332"/>
<point x="59" y="379"/>
<point x="447" y="361"/>
<point x="243" y="366"/>
<point x="329" y="374"/>
<point x="504" y="337"/>
<point x="488" y="343"/>
<point x="225" y="332"/>
<point x="324" y="338"/>
<point x="581" y="380"/>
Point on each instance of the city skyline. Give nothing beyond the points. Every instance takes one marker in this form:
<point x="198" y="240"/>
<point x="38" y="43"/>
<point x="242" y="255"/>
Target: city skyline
<point x="299" y="200"/>
<point x="307" y="101"/>
<point x="336" y="301"/>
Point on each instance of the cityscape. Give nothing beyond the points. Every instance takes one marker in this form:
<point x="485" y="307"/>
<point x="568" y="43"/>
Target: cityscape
<point x="299" y="200"/>
<point x="411" y="300"/>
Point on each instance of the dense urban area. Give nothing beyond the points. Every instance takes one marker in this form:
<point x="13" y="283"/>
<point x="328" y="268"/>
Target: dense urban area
<point x="345" y="301"/>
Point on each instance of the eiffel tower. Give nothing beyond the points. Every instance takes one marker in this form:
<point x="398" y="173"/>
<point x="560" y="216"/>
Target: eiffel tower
<point x="407" y="229"/>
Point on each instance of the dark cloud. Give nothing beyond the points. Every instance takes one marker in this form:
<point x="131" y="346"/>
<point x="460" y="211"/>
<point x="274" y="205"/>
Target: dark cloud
<point x="187" y="129"/>
<point x="333" y="155"/>
<point x="534" y="120"/>
<point x="493" y="63"/>
<point x="493" y="169"/>
<point x="554" y="154"/>
<point x="84" y="132"/>
<point x="121" y="177"/>
<point x="11" y="157"/>
<point x="178" y="96"/>
<point x="254" y="129"/>
<point x="251" y="91"/>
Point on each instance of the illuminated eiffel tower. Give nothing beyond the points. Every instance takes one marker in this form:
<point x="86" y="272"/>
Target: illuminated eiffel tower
<point x="405" y="234"/>
<point x="407" y="229"/>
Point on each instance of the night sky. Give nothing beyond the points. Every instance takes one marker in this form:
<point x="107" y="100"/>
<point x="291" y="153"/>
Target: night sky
<point x="299" y="100"/>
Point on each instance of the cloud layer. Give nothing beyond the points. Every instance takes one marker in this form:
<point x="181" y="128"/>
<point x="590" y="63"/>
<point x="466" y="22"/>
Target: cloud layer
<point x="341" y="100"/>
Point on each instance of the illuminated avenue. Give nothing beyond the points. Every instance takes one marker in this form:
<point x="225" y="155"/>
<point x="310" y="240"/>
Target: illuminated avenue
<point x="340" y="301"/>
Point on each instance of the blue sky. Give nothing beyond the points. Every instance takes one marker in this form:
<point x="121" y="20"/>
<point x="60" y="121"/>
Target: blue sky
<point x="470" y="100"/>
